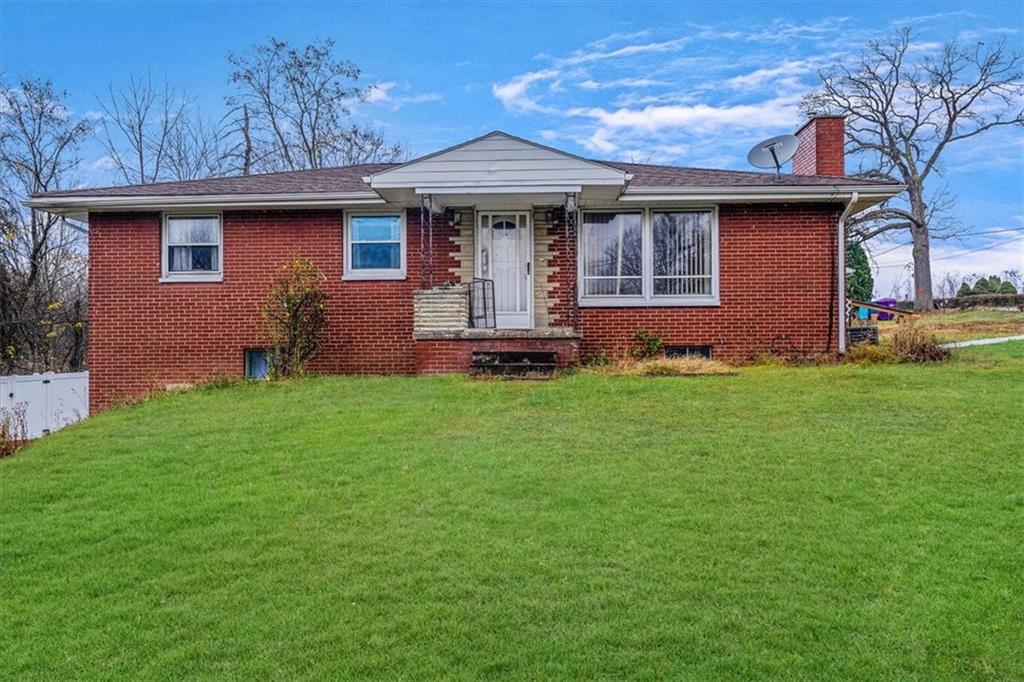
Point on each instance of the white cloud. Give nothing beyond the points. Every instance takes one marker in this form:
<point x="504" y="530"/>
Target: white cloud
<point x="591" y="84"/>
<point x="381" y="94"/>
<point x="786" y="69"/>
<point x="584" y="57"/>
<point x="103" y="163"/>
<point x="514" y="94"/>
<point x="696" y="118"/>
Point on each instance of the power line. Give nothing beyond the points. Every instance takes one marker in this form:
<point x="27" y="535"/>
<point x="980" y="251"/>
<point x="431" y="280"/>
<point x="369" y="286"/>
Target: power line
<point x="957" y="255"/>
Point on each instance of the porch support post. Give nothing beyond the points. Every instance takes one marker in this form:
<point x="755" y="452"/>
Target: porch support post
<point x="572" y="258"/>
<point x="426" y="241"/>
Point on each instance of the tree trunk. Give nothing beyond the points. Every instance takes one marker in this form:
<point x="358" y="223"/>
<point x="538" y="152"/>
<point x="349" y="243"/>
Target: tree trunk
<point x="923" y="299"/>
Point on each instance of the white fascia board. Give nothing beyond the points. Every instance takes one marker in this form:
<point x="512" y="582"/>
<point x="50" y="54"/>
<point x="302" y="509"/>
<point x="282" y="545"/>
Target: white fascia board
<point x="787" y="193"/>
<point x="150" y="202"/>
<point x="520" y="185"/>
<point x="502" y="189"/>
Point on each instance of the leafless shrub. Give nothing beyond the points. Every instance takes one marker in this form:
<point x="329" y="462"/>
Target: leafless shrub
<point x="13" y="429"/>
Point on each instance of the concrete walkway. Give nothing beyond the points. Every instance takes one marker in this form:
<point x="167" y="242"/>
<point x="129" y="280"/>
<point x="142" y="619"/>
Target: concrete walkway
<point x="983" y="342"/>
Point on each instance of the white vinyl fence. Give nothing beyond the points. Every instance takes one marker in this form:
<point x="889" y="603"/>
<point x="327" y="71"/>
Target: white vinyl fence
<point x="51" y="400"/>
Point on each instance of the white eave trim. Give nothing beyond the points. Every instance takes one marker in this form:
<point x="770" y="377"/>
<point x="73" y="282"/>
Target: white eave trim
<point x="502" y="189"/>
<point x="767" y="193"/>
<point x="205" y="201"/>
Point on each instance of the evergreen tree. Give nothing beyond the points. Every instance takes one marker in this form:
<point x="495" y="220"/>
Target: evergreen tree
<point x="860" y="284"/>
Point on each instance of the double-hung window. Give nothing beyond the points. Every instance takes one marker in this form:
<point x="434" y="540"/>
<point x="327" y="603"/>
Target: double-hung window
<point x="654" y="257"/>
<point x="192" y="248"/>
<point x="375" y="246"/>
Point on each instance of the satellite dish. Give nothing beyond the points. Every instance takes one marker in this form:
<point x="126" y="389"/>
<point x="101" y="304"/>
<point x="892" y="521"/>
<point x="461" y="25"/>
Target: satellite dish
<point x="773" y="152"/>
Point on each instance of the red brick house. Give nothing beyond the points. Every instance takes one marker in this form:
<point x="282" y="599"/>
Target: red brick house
<point x="497" y="244"/>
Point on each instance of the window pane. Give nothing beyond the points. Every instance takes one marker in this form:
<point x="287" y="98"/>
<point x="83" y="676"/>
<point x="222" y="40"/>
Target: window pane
<point x="192" y="231"/>
<point x="682" y="253"/>
<point x="192" y="258"/>
<point x="631" y="286"/>
<point x="256" y="365"/>
<point x="204" y="257"/>
<point x="179" y="259"/>
<point x="612" y="248"/>
<point x="376" y="256"/>
<point x="377" y="228"/>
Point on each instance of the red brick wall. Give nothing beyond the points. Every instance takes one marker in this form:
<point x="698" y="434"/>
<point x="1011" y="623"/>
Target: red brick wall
<point x="777" y="277"/>
<point x="776" y="282"/>
<point x="145" y="335"/>
<point x="452" y="356"/>
<point x="821" y="150"/>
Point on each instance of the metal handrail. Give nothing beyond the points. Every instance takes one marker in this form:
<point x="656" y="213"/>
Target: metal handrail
<point x="481" y="303"/>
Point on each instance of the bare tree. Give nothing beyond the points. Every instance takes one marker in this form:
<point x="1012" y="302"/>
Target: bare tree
<point x="904" y="109"/>
<point x="42" y="261"/>
<point x="140" y="120"/>
<point x="196" y="149"/>
<point x="295" y="109"/>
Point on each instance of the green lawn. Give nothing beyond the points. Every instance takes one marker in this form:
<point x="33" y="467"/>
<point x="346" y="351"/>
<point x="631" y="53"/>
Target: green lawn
<point x="816" y="523"/>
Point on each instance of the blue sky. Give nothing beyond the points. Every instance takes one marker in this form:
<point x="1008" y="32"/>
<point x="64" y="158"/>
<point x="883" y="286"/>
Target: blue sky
<point x="681" y="83"/>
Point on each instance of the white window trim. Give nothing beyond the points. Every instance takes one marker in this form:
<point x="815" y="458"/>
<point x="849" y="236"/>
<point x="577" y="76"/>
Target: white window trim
<point x="376" y="274"/>
<point x="167" y="275"/>
<point x="648" y="299"/>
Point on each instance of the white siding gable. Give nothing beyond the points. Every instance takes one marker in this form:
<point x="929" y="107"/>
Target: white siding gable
<point x="498" y="160"/>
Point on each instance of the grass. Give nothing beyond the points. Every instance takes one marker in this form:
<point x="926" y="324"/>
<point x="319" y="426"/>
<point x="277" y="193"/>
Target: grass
<point x="963" y="325"/>
<point x="790" y="523"/>
<point x="662" y="367"/>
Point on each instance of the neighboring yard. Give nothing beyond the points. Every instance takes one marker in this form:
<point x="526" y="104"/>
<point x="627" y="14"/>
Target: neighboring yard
<point x="961" y="325"/>
<point x="817" y="522"/>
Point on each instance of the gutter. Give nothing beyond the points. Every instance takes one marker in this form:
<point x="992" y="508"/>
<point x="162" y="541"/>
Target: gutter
<point x="841" y="264"/>
<point x="59" y="204"/>
<point x="766" y="193"/>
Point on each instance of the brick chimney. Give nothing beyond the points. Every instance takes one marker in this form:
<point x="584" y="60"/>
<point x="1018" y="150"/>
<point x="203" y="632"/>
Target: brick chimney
<point x="821" y="147"/>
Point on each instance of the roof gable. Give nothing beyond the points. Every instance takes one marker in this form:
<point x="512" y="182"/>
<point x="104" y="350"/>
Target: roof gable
<point x="498" y="160"/>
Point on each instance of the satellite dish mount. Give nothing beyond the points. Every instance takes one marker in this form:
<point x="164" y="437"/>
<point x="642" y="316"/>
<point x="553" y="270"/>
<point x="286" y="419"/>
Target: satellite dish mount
<point x="773" y="152"/>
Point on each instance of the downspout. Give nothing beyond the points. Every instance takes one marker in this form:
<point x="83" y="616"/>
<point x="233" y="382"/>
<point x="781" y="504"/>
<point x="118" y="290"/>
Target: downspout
<point x="841" y="261"/>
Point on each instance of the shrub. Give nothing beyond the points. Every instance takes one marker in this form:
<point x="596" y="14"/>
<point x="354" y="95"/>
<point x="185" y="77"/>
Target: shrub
<point x="294" y="314"/>
<point x="650" y="345"/>
<point x="13" y="429"/>
<point x="909" y="343"/>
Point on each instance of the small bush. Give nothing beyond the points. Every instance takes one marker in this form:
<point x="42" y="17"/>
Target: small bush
<point x="650" y="345"/>
<point x="911" y="343"/>
<point x="665" y="367"/>
<point x="294" y="315"/>
<point x="13" y="429"/>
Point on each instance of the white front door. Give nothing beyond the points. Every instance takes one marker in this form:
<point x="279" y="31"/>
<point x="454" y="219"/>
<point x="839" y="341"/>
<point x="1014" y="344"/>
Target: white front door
<point x="504" y="248"/>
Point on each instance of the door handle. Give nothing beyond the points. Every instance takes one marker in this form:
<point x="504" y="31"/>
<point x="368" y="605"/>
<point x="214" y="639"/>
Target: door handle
<point x="485" y="262"/>
<point x="528" y="268"/>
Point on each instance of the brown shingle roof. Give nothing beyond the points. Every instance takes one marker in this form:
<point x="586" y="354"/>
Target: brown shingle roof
<point x="319" y="181"/>
<point x="646" y="175"/>
<point x="350" y="179"/>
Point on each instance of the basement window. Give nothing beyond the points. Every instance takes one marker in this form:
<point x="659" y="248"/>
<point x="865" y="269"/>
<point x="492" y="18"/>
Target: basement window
<point x="375" y="246"/>
<point x="192" y="248"/>
<point x="256" y="364"/>
<point x="688" y="352"/>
